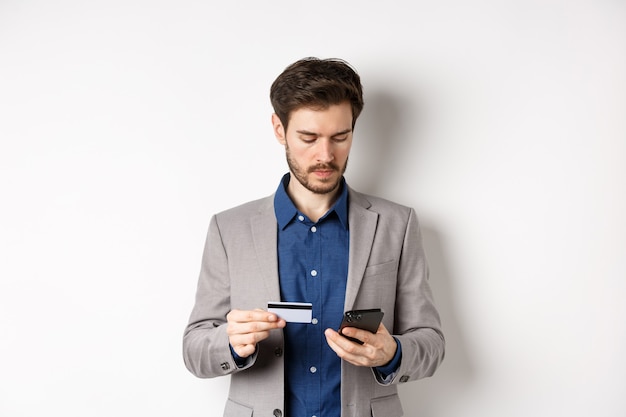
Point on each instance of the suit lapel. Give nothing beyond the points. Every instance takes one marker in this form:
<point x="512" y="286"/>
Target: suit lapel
<point x="362" y="223"/>
<point x="264" y="235"/>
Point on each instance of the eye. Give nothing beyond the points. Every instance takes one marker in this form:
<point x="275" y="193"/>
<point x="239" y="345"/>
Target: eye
<point x="308" y="138"/>
<point x="341" y="138"/>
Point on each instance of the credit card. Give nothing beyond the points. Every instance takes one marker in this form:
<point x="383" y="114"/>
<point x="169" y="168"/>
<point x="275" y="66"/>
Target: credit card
<point x="291" y="312"/>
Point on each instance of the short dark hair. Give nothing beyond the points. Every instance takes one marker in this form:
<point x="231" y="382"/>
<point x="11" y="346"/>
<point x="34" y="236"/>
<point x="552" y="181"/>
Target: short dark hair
<point x="316" y="83"/>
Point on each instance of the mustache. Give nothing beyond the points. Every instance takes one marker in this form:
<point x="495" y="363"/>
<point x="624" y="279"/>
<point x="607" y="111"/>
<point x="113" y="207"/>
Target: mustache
<point x="323" y="167"/>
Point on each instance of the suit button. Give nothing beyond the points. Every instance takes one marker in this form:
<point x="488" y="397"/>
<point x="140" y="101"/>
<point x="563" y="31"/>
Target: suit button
<point x="278" y="413"/>
<point x="278" y="352"/>
<point x="404" y="378"/>
<point x="225" y="366"/>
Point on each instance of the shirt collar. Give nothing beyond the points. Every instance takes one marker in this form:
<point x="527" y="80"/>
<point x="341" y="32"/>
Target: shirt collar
<point x="285" y="210"/>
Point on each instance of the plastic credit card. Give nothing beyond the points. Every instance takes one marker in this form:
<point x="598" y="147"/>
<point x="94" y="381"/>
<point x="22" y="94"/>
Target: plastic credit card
<point x="291" y="312"/>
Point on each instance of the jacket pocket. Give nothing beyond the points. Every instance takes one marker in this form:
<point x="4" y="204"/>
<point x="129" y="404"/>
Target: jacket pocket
<point x="234" y="409"/>
<point x="381" y="269"/>
<point x="389" y="406"/>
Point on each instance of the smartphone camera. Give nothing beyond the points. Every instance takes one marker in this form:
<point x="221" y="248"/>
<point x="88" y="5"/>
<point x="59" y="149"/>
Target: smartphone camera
<point x="352" y="317"/>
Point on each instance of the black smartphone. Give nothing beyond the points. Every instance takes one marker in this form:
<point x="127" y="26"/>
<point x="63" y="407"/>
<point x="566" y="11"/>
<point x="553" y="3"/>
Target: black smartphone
<point x="363" y="319"/>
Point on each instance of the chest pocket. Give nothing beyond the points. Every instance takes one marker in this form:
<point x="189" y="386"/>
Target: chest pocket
<point x="380" y="269"/>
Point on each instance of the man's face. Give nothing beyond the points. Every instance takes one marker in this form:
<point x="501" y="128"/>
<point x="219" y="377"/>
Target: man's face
<point x="317" y="144"/>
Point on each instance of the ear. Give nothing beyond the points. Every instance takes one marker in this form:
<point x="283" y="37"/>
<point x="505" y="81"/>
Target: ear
<point x="279" y="130"/>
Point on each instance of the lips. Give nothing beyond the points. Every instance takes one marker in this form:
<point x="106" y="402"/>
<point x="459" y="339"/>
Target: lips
<point x="324" y="173"/>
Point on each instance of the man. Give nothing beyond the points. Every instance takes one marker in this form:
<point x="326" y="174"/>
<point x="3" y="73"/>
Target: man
<point x="315" y="240"/>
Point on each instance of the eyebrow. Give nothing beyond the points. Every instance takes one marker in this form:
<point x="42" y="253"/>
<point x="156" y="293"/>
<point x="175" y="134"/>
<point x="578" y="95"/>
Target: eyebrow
<point x="307" y="133"/>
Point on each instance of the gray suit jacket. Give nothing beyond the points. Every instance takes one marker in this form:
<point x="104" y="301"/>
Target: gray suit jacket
<point x="387" y="269"/>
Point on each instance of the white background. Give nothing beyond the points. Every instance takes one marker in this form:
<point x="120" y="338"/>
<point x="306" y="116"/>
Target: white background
<point x="125" y="124"/>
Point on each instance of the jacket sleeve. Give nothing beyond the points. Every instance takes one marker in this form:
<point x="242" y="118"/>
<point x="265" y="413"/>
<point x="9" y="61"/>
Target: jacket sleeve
<point x="417" y="324"/>
<point x="206" y="350"/>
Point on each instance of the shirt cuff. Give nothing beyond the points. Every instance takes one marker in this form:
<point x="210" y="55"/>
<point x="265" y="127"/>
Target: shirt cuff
<point x="387" y="372"/>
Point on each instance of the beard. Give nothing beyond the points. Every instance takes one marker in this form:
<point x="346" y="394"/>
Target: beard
<point x="321" y="186"/>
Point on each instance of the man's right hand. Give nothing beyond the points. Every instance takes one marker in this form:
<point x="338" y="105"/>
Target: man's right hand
<point x="248" y="327"/>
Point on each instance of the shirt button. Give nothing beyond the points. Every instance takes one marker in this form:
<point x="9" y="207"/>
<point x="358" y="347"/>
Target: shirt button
<point x="301" y="218"/>
<point x="314" y="321"/>
<point x="313" y="369"/>
<point x="313" y="273"/>
<point x="314" y="229"/>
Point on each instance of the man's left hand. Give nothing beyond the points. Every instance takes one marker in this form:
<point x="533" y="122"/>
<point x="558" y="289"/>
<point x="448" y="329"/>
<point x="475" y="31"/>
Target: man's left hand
<point x="377" y="349"/>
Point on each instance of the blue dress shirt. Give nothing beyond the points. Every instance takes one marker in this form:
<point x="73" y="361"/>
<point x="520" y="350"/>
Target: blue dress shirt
<point x="313" y="268"/>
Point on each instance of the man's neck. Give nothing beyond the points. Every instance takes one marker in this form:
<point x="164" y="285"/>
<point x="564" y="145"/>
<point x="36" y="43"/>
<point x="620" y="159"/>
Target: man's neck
<point x="312" y="205"/>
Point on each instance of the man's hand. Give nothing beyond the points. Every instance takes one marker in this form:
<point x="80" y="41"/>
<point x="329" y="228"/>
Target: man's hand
<point x="377" y="349"/>
<point x="248" y="327"/>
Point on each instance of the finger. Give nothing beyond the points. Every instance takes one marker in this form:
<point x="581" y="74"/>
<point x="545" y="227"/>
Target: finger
<point x="345" y="349"/>
<point x="340" y="344"/>
<point x="246" y="316"/>
<point x="331" y="339"/>
<point x="244" y="351"/>
<point x="368" y="338"/>
<point x="238" y="339"/>
<point x="355" y="333"/>
<point x="253" y="327"/>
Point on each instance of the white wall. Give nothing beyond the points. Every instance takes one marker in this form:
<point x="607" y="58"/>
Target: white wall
<point x="125" y="124"/>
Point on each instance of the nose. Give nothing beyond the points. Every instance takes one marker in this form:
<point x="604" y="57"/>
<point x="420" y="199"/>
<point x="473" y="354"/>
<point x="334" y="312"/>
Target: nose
<point x="325" y="151"/>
